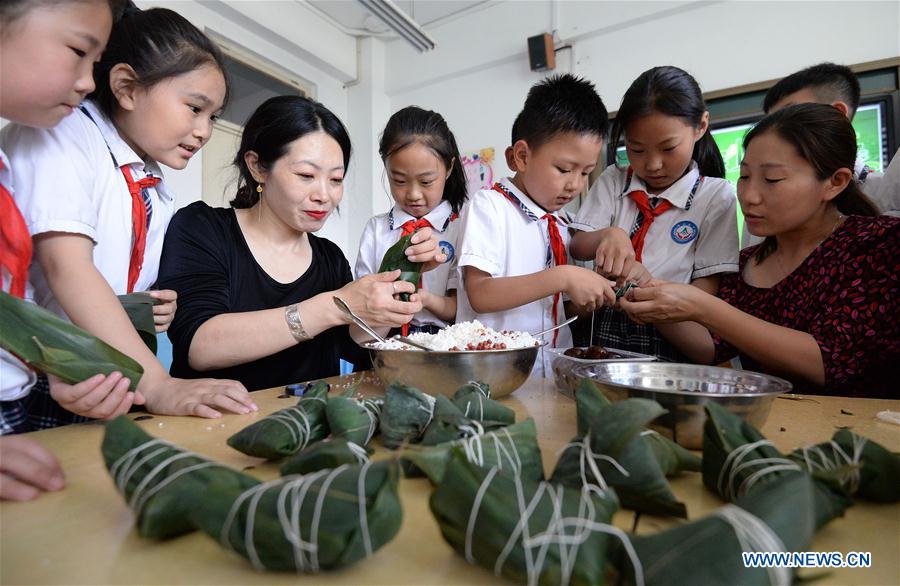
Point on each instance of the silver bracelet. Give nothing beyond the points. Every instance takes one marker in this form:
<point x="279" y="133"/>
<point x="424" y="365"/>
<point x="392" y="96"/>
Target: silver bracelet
<point x="292" y="317"/>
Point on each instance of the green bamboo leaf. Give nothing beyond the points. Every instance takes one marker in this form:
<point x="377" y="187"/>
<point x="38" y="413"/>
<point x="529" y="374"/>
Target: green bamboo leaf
<point x="56" y="346"/>
<point x="139" y="307"/>
<point x="395" y="258"/>
<point x="161" y="482"/>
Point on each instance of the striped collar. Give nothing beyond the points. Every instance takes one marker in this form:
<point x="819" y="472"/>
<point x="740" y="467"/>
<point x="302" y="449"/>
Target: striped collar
<point x="441" y="216"/>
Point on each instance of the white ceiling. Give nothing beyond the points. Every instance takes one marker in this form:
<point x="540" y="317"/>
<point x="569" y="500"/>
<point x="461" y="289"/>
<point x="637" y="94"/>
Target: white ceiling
<point x="352" y="15"/>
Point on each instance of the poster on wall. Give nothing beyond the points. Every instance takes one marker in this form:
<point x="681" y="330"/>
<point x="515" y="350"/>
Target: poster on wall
<point x="479" y="170"/>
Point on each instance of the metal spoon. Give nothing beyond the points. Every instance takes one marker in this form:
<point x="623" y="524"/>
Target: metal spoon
<point x="406" y="340"/>
<point x="556" y="327"/>
<point x="357" y="320"/>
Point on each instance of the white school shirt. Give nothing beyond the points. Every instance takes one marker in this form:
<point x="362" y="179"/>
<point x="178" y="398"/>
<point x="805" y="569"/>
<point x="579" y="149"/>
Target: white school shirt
<point x="384" y="230"/>
<point x="68" y="182"/>
<point x="697" y="237"/>
<point x="16" y="379"/>
<point x="499" y="238"/>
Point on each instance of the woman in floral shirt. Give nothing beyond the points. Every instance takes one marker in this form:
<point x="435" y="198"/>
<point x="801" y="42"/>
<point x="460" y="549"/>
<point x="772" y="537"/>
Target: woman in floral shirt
<point x="816" y="301"/>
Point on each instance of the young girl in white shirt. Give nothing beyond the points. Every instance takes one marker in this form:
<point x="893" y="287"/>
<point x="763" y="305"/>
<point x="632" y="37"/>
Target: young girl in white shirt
<point x="47" y="52"/>
<point x="95" y="205"/>
<point x="428" y="185"/>
<point x="670" y="214"/>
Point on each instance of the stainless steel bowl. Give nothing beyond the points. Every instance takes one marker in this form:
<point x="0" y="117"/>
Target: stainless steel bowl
<point x="563" y="366"/>
<point x="684" y="389"/>
<point x="441" y="373"/>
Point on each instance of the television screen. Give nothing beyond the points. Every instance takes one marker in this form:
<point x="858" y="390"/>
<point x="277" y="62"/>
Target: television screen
<point x="871" y="138"/>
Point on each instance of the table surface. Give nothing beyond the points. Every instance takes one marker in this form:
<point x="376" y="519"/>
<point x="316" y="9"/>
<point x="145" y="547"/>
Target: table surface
<point x="85" y="535"/>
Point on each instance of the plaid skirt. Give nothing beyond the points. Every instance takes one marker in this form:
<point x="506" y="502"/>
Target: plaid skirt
<point x="35" y="411"/>
<point x="614" y="329"/>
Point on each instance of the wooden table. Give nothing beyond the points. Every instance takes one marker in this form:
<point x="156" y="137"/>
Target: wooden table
<point x="85" y="534"/>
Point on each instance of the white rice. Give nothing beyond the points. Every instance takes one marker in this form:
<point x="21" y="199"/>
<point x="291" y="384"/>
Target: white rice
<point x="463" y="336"/>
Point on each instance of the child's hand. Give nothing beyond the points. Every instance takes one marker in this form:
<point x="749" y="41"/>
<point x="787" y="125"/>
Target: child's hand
<point x="635" y="272"/>
<point x="99" y="397"/>
<point x="587" y="289"/>
<point x="164" y="313"/>
<point x="27" y="468"/>
<point x="426" y="249"/>
<point x="614" y="251"/>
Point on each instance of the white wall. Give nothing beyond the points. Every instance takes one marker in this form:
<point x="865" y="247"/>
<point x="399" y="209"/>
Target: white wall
<point x="479" y="75"/>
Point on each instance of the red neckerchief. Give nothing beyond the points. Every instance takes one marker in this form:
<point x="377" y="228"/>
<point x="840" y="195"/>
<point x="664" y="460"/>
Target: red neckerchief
<point x="15" y="243"/>
<point x="138" y="223"/>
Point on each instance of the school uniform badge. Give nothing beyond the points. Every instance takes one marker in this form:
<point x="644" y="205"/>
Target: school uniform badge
<point x="684" y="232"/>
<point x="447" y="248"/>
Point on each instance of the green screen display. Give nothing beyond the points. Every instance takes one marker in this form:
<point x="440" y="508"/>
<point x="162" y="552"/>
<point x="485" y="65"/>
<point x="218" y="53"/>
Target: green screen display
<point x="870" y="136"/>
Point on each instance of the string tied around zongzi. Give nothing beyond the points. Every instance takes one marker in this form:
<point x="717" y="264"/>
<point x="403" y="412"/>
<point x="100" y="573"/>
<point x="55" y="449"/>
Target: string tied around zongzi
<point x="372" y="410"/>
<point x="296" y="422"/>
<point x="473" y="448"/>
<point x="588" y="459"/>
<point x="557" y="533"/>
<point x="362" y="456"/>
<point x="129" y="463"/>
<point x="734" y="465"/>
<point x="291" y="497"/>
<point x="839" y="458"/>
<point x="755" y="536"/>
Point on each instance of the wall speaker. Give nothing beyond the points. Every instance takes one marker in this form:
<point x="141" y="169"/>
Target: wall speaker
<point x="541" y="56"/>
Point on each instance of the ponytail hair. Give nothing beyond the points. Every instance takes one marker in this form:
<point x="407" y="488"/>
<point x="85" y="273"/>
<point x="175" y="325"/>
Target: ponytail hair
<point x="826" y="140"/>
<point x="278" y="122"/>
<point x="673" y="92"/>
<point x="413" y="124"/>
<point x="158" y="44"/>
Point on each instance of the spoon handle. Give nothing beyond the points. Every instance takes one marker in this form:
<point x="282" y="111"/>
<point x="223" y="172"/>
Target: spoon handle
<point x="556" y="327"/>
<point x="356" y="319"/>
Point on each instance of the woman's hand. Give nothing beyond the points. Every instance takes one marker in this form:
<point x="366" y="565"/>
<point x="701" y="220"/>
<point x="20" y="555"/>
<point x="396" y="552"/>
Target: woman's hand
<point x="27" y="468"/>
<point x="373" y="299"/>
<point x="164" y="313"/>
<point x="663" y="302"/>
<point x="426" y="249"/>
<point x="201" y="397"/>
<point x="99" y="397"/>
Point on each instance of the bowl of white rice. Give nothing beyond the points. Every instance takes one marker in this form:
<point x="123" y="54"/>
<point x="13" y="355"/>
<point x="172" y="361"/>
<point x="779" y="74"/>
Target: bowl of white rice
<point x="460" y="353"/>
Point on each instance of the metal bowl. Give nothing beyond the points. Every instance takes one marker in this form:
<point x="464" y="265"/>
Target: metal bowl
<point x="563" y="366"/>
<point x="684" y="389"/>
<point x="441" y="373"/>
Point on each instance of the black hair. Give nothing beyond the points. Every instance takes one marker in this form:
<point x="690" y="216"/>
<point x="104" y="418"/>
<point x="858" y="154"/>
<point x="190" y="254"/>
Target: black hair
<point x="514" y="134"/>
<point x="416" y="125"/>
<point x="826" y="140"/>
<point x="278" y="122"/>
<point x="673" y="92"/>
<point x="158" y="44"/>
<point x="828" y="81"/>
<point x="12" y="10"/>
<point x="559" y="104"/>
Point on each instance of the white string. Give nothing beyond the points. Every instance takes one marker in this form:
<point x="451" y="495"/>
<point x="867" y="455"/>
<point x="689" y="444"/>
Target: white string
<point x="755" y="536"/>
<point x="474" y="450"/>
<point x="734" y="465"/>
<point x="127" y="465"/>
<point x="588" y="459"/>
<point x="536" y="547"/>
<point x="300" y="429"/>
<point x="427" y="409"/>
<point x="852" y="477"/>
<point x="292" y="493"/>
<point x="373" y="411"/>
<point x="363" y="511"/>
<point x="360" y="452"/>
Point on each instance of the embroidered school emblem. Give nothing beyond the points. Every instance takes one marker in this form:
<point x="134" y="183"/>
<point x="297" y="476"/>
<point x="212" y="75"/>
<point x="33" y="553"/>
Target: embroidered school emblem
<point x="684" y="232"/>
<point x="447" y="248"/>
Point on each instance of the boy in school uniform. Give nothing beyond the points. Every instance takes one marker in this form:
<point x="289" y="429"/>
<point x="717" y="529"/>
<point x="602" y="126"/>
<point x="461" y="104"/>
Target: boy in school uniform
<point x="513" y="258"/>
<point x="837" y="85"/>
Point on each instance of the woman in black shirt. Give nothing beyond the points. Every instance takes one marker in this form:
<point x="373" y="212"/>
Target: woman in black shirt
<point x="254" y="285"/>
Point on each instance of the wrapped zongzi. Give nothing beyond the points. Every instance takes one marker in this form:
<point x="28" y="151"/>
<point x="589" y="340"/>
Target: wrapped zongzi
<point x="161" y="482"/>
<point x="287" y="431"/>
<point x="319" y="521"/>
<point x="474" y="400"/>
<point x="395" y="258"/>
<point x="328" y="453"/>
<point x="356" y="420"/>
<point x="405" y="415"/>
<point x="531" y="532"/>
